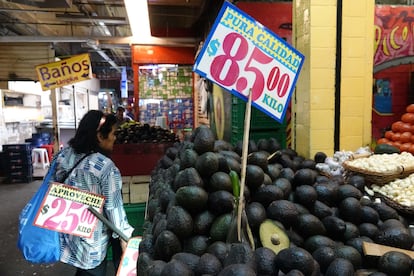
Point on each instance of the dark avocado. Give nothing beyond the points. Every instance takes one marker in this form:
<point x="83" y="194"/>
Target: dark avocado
<point x="340" y="266"/>
<point x="208" y="264"/>
<point x="324" y="256"/>
<point x="176" y="268"/>
<point x="283" y="211"/>
<point x="309" y="225"/>
<point x="265" y="261"/>
<point x="305" y="195"/>
<point x="295" y="258"/>
<point x="266" y="194"/>
<point x="395" y="263"/>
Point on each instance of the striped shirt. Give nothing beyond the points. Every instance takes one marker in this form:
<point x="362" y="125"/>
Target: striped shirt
<point x="97" y="174"/>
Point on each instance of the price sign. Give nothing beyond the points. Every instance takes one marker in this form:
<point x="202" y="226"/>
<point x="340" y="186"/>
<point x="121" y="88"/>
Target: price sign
<point x="65" y="209"/>
<point x="128" y="264"/>
<point x="241" y="55"/>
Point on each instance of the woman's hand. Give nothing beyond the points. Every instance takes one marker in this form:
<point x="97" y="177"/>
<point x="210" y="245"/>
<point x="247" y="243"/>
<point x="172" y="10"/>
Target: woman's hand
<point x="123" y="244"/>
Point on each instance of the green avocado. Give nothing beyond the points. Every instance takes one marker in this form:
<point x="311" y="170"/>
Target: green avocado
<point x="385" y="148"/>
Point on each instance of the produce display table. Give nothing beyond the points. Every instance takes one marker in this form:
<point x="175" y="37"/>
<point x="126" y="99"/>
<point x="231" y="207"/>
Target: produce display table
<point x="138" y="158"/>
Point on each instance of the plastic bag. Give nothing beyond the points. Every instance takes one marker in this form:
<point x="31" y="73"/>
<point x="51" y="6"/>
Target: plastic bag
<point x="38" y="245"/>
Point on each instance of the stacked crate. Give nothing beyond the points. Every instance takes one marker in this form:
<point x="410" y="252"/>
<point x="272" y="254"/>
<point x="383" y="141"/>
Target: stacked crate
<point x="135" y="189"/>
<point x="19" y="166"/>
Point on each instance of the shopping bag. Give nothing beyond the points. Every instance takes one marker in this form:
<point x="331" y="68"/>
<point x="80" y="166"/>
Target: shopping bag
<point x="38" y="245"/>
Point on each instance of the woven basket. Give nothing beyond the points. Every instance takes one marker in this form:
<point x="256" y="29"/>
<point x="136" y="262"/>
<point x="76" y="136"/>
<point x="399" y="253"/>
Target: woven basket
<point x="378" y="178"/>
<point x="403" y="209"/>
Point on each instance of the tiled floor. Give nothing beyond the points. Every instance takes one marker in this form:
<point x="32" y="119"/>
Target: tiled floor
<point x="13" y="197"/>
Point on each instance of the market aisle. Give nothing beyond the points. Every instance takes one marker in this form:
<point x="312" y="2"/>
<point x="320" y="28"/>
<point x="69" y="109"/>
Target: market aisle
<point x="13" y="198"/>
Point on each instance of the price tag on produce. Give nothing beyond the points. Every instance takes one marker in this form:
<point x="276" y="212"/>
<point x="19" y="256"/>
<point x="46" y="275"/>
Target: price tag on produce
<point x="241" y="54"/>
<point x="128" y="263"/>
<point x="65" y="209"/>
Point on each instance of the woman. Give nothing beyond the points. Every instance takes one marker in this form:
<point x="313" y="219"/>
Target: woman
<point x="96" y="173"/>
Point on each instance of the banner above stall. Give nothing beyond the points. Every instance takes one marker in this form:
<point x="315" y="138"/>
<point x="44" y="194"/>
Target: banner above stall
<point x="65" y="72"/>
<point x="240" y="55"/>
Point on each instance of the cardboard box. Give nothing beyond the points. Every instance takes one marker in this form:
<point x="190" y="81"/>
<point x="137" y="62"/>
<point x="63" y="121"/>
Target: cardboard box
<point x="138" y="192"/>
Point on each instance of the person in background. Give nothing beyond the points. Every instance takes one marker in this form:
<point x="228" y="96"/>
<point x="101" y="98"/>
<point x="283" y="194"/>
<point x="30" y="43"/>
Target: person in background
<point x="120" y="115"/>
<point x="130" y="113"/>
<point x="98" y="174"/>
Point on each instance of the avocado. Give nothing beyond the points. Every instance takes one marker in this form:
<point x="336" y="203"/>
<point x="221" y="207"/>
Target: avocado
<point x="180" y="222"/>
<point x="351" y="231"/>
<point x="220" y="202"/>
<point x="384" y="211"/>
<point x="314" y="242"/>
<point x="273" y="237"/>
<point x="188" y="158"/>
<point x="350" y="210"/>
<point x="305" y="195"/>
<point x="256" y="214"/>
<point x="254" y="176"/>
<point x="294" y="237"/>
<point x="327" y="193"/>
<point x="190" y="259"/>
<point x="219" y="249"/>
<point x="285" y="185"/>
<point x="304" y="177"/>
<point x="143" y="263"/>
<point x="324" y="256"/>
<point x="283" y="211"/>
<point x="192" y="198"/>
<point x="258" y="158"/>
<point x="348" y="190"/>
<point x="368" y="229"/>
<point x="265" y="260"/>
<point x="240" y="253"/>
<point x="321" y="210"/>
<point x="273" y="170"/>
<point x="266" y="194"/>
<point x="207" y="164"/>
<point x="395" y="263"/>
<point x="340" y="266"/>
<point x="176" y="268"/>
<point x="220" y="181"/>
<point x="146" y="244"/>
<point x="309" y="225"/>
<point x="294" y="272"/>
<point x="237" y="270"/>
<point x="208" y="264"/>
<point x="295" y="258"/>
<point x="187" y="177"/>
<point x="349" y="253"/>
<point x="220" y="227"/>
<point x="385" y="149"/>
<point x="368" y="214"/>
<point x="202" y="222"/>
<point x="334" y="226"/>
<point x="166" y="245"/>
<point x="196" y="244"/>
<point x="287" y="173"/>
<point x="320" y="157"/>
<point x="395" y="236"/>
<point x="155" y="268"/>
<point x="203" y="139"/>
<point x="356" y="180"/>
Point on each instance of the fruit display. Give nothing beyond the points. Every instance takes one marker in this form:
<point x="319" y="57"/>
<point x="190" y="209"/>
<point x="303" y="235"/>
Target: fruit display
<point x="401" y="133"/>
<point x="135" y="132"/>
<point x="301" y="222"/>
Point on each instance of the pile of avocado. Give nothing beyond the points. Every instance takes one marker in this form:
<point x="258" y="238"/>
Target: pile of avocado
<point x="302" y="223"/>
<point x="134" y="132"/>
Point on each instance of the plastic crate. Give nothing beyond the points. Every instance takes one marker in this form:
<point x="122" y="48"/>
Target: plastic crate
<point x="136" y="218"/>
<point x="258" y="121"/>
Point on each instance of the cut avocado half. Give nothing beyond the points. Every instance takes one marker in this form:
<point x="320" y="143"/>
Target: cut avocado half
<point x="272" y="236"/>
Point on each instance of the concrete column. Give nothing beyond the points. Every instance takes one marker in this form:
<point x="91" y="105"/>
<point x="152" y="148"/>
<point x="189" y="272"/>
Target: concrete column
<point x="333" y="81"/>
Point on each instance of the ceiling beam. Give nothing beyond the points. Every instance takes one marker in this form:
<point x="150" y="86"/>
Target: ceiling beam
<point x="185" y="42"/>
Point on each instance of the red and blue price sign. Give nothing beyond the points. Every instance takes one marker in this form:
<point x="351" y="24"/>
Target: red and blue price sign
<point x="65" y="209"/>
<point x="241" y="55"/>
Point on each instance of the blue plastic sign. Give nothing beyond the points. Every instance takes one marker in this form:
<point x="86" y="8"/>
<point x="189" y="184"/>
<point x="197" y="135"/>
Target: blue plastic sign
<point x="240" y="55"/>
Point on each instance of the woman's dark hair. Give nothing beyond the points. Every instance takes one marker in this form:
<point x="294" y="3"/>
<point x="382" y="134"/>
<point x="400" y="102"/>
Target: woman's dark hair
<point x="93" y="121"/>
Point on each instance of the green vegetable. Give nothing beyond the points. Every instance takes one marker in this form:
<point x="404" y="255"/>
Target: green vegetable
<point x="235" y="182"/>
<point x="385" y="148"/>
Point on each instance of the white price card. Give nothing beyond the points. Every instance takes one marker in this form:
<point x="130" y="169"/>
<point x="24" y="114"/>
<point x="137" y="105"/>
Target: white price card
<point x="128" y="264"/>
<point x="65" y="209"/>
<point x="242" y="55"/>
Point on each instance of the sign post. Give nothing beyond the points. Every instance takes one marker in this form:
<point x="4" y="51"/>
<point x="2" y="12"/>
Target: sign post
<point x="241" y="54"/>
